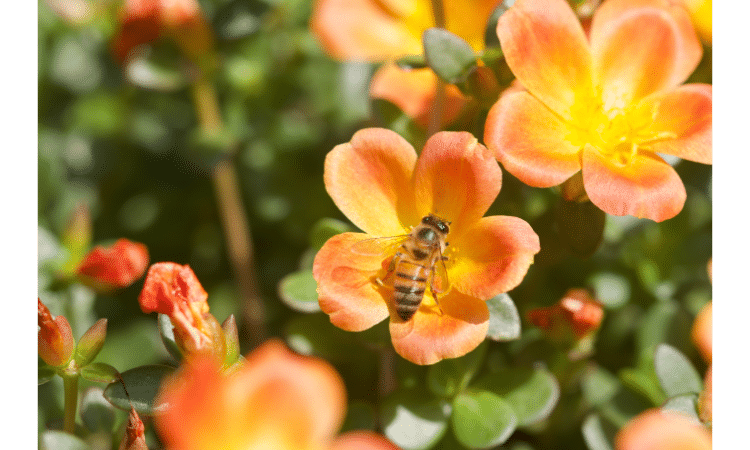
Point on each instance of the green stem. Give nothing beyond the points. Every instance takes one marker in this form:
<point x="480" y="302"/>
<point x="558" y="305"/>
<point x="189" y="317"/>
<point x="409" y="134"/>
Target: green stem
<point x="70" y="388"/>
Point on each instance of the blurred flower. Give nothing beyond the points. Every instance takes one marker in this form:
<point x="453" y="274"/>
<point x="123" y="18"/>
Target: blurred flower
<point x="701" y="13"/>
<point x="145" y="21"/>
<point x="107" y="269"/>
<point x="657" y="429"/>
<point x="134" y="438"/>
<point x="702" y="332"/>
<point x="603" y="106"/>
<point x="276" y="400"/>
<point x="576" y="316"/>
<point x="56" y="343"/>
<point x="377" y="181"/>
<point x="175" y="291"/>
<point x="383" y="30"/>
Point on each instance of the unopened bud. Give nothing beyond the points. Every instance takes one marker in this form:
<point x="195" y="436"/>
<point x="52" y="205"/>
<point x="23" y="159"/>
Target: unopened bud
<point x="573" y="318"/>
<point x="91" y="342"/>
<point x="231" y="340"/>
<point x="116" y="267"/>
<point x="56" y="343"/>
<point x="134" y="438"/>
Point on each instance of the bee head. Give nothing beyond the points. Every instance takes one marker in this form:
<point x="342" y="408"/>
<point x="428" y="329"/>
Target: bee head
<point x="435" y="221"/>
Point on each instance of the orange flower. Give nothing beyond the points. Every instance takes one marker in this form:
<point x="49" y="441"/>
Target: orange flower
<point x="377" y="181"/>
<point x="575" y="316"/>
<point x="383" y="30"/>
<point x="603" y="105"/>
<point x="276" y="400"/>
<point x="145" y="21"/>
<point x="656" y="429"/>
<point x="56" y="343"/>
<point x="701" y="12"/>
<point x="107" y="269"/>
<point x="701" y="333"/>
<point x="174" y="290"/>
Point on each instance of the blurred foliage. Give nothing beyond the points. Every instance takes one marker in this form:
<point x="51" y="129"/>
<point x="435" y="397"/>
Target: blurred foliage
<point x="132" y="155"/>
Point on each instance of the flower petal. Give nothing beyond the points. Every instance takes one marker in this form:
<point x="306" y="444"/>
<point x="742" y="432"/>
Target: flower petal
<point x="456" y="178"/>
<point x="493" y="256"/>
<point x="362" y="440"/>
<point x="530" y="141"/>
<point x="645" y="187"/>
<point x="429" y="336"/>
<point x="662" y="430"/>
<point x="413" y="91"/>
<point x="545" y="47"/>
<point x="640" y="47"/>
<point x="686" y="113"/>
<point x="369" y="179"/>
<point x="363" y="30"/>
<point x="347" y="291"/>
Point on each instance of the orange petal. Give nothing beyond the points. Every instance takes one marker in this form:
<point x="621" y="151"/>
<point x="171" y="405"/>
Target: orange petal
<point x="456" y="178"/>
<point x="493" y="256"/>
<point x="413" y="91"/>
<point x="546" y="49"/>
<point x="347" y="291"/>
<point x="115" y="267"/>
<point x="646" y="187"/>
<point x="702" y="332"/>
<point x="362" y="440"/>
<point x="369" y="179"/>
<point x="169" y="286"/>
<point x="429" y="336"/>
<point x="530" y="141"/>
<point x="686" y="113"/>
<point x="660" y="430"/>
<point x="363" y="30"/>
<point x="642" y="46"/>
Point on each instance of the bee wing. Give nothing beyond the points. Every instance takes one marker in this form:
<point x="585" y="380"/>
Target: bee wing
<point x="440" y="282"/>
<point x="385" y="246"/>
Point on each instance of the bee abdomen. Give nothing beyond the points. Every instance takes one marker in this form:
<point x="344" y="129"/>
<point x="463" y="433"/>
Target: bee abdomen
<point x="407" y="300"/>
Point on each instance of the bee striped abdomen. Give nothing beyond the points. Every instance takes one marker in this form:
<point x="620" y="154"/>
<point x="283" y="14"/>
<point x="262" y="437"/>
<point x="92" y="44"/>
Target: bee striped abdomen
<point x="409" y="286"/>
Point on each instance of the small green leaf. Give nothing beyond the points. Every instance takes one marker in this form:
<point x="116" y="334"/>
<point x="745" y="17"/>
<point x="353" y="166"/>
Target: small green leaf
<point x="325" y="229"/>
<point x="449" y="56"/>
<point x="231" y="340"/>
<point x="580" y="225"/>
<point x="91" y="343"/>
<point x="59" y="440"/>
<point x="598" y="433"/>
<point x="410" y="62"/>
<point x="599" y="386"/>
<point x="298" y="290"/>
<point x="482" y="419"/>
<point x="414" y="422"/>
<point x="45" y="374"/>
<point x="675" y="372"/>
<point x="100" y="373"/>
<point x="96" y="412"/>
<point x="450" y="377"/>
<point x="532" y="393"/>
<point x="166" y="331"/>
<point x="142" y="384"/>
<point x="686" y="404"/>
<point x="505" y="323"/>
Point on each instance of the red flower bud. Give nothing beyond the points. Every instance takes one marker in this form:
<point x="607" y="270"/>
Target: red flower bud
<point x="56" y="343"/>
<point x="107" y="269"/>
<point x="134" y="438"/>
<point x="574" y="317"/>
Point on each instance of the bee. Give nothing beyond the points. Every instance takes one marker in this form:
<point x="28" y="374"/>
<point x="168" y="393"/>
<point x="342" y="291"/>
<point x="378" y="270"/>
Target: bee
<point x="418" y="260"/>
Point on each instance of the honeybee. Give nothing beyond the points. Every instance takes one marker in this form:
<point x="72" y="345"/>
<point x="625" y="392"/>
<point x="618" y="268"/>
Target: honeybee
<point x="418" y="259"/>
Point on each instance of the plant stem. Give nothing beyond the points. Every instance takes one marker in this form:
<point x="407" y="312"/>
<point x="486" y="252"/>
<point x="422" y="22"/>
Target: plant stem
<point x="234" y="222"/>
<point x="436" y="112"/>
<point x="70" y="389"/>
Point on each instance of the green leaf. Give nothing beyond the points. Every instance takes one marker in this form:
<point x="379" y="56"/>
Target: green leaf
<point x="413" y="421"/>
<point x="598" y="433"/>
<point x="100" y="373"/>
<point x="96" y="412"/>
<point x="490" y="32"/>
<point x="450" y="377"/>
<point x="59" y="440"/>
<point x="580" y="225"/>
<point x="325" y="229"/>
<point x="45" y="374"/>
<point x="142" y="384"/>
<point x="505" y="323"/>
<point x="675" y="372"/>
<point x="625" y="405"/>
<point x="599" y="386"/>
<point x="449" y="56"/>
<point x="298" y="290"/>
<point x="482" y="419"/>
<point x="410" y="62"/>
<point x="686" y="404"/>
<point x="166" y="331"/>
<point x="532" y="393"/>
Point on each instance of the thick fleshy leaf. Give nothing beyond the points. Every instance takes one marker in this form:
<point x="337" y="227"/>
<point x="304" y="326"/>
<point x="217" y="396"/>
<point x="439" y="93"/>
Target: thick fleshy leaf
<point x="676" y="374"/>
<point x="645" y="187"/>
<point x="598" y="433"/>
<point x="362" y="30"/>
<point x="166" y="332"/>
<point x="685" y="113"/>
<point x="643" y="46"/>
<point x="450" y="377"/>
<point x="60" y="440"/>
<point x="546" y="49"/>
<point x="530" y="141"/>
<point x="532" y="393"/>
<point x="412" y="422"/>
<point x="456" y="178"/>
<point x="492" y="256"/>
<point x="96" y="412"/>
<point x="297" y="290"/>
<point x="347" y="290"/>
<point x="449" y="56"/>
<point x="100" y="373"/>
<point x="505" y="322"/>
<point x="369" y="179"/>
<point x="362" y="440"/>
<point x="686" y="404"/>
<point x="142" y="385"/>
<point x="431" y="335"/>
<point x="658" y="430"/>
<point x="482" y="419"/>
<point x="325" y="229"/>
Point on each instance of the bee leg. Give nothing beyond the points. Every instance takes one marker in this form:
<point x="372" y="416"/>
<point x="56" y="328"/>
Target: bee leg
<point x="391" y="267"/>
<point x="435" y="290"/>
